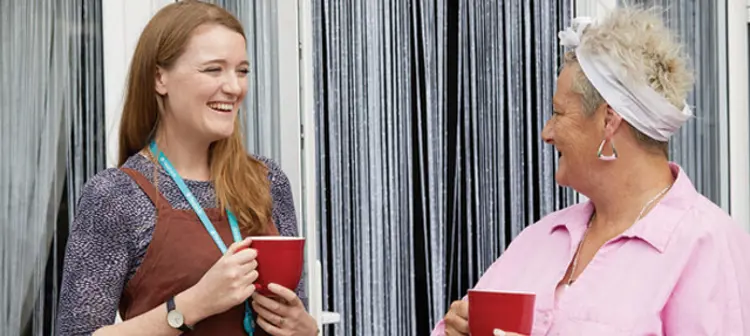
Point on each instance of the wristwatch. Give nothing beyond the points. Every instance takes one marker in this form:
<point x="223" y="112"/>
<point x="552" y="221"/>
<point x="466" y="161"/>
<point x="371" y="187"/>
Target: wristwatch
<point x="175" y="318"/>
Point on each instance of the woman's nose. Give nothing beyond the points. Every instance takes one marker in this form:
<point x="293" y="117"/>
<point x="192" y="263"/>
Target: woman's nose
<point x="547" y="133"/>
<point x="232" y="85"/>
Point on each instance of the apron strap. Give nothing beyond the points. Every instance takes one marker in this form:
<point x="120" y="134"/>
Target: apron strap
<point x="156" y="197"/>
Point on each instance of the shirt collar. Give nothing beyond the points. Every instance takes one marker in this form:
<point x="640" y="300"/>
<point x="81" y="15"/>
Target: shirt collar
<point x="657" y="226"/>
<point x="575" y="218"/>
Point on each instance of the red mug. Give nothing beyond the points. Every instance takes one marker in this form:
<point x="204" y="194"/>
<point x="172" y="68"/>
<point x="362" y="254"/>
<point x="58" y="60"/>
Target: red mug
<point x="504" y="310"/>
<point x="280" y="261"/>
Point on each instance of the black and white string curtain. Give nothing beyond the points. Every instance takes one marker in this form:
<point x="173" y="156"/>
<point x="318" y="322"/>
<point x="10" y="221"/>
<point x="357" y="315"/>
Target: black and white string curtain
<point x="429" y="116"/>
<point x="53" y="139"/>
<point x="507" y="66"/>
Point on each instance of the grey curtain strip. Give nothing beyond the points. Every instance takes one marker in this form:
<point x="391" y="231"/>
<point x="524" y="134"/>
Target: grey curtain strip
<point x="696" y="147"/>
<point x="53" y="126"/>
<point x="85" y="126"/>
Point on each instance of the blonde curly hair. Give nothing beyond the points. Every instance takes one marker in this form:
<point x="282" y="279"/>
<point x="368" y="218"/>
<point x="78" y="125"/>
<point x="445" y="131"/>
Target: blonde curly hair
<point x="648" y="52"/>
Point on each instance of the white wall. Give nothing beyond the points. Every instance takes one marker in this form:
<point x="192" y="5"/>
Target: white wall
<point x="122" y="23"/>
<point x="593" y="8"/>
<point x="289" y="96"/>
<point x="739" y="124"/>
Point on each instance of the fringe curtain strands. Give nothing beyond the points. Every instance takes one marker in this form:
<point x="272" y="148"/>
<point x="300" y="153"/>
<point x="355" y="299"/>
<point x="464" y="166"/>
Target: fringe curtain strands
<point x="697" y="146"/>
<point x="429" y="116"/>
<point x="52" y="120"/>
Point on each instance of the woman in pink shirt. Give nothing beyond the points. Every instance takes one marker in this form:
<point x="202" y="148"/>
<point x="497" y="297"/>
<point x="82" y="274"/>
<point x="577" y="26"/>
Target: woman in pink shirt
<point x="647" y="254"/>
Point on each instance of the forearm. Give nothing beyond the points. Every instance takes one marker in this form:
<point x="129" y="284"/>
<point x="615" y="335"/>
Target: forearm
<point x="154" y="322"/>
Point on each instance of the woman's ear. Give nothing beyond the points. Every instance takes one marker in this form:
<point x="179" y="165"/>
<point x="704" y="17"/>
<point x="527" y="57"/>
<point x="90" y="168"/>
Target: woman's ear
<point x="161" y="81"/>
<point x="612" y="121"/>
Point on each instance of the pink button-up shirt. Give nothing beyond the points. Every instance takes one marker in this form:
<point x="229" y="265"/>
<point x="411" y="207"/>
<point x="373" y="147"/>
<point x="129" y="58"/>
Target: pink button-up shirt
<point x="684" y="269"/>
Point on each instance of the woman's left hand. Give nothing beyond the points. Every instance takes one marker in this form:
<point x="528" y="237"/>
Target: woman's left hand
<point x="284" y="315"/>
<point x="498" y="332"/>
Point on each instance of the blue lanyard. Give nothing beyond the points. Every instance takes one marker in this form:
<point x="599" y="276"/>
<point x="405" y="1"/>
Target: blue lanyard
<point x="248" y="322"/>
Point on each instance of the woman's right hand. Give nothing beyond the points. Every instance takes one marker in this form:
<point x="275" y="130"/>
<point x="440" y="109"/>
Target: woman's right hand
<point x="457" y="319"/>
<point x="229" y="282"/>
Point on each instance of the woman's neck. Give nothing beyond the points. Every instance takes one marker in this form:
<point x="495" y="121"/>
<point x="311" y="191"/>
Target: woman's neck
<point x="188" y="156"/>
<point x="625" y="195"/>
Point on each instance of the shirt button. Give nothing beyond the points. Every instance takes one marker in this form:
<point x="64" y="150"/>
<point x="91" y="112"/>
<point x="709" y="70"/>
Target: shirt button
<point x="546" y="317"/>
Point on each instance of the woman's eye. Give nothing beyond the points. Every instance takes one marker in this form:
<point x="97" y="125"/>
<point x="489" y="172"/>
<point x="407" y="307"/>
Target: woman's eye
<point x="212" y="70"/>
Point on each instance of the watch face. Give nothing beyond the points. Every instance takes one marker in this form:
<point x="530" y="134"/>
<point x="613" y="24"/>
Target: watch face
<point x="175" y="319"/>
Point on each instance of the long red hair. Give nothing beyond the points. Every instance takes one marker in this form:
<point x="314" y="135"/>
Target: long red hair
<point x="240" y="180"/>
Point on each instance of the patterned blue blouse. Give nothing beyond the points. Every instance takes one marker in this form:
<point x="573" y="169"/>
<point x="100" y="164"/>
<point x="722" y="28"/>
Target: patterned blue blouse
<point x="113" y="227"/>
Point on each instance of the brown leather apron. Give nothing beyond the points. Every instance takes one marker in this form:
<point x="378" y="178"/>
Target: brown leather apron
<point x="180" y="253"/>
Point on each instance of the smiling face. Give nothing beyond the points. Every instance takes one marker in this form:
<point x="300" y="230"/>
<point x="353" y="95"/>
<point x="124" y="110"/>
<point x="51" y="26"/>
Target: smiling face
<point x="575" y="135"/>
<point x="203" y="89"/>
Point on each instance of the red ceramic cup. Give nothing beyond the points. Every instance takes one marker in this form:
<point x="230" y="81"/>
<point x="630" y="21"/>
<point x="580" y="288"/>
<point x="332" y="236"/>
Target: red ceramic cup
<point x="507" y="311"/>
<point x="280" y="261"/>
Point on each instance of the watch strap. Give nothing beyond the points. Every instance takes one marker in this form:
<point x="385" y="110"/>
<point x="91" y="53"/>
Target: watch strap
<point x="172" y="307"/>
<point x="170" y="304"/>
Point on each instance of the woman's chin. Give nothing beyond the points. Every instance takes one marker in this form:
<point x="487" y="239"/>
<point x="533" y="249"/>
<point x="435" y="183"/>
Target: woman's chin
<point x="561" y="178"/>
<point x="221" y="133"/>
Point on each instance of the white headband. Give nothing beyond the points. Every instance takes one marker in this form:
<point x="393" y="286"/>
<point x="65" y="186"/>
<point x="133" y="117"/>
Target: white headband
<point x="637" y="103"/>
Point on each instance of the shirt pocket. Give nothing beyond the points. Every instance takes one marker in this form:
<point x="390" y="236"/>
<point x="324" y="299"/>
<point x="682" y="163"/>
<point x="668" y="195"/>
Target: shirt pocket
<point x="594" y="328"/>
<point x="596" y="323"/>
